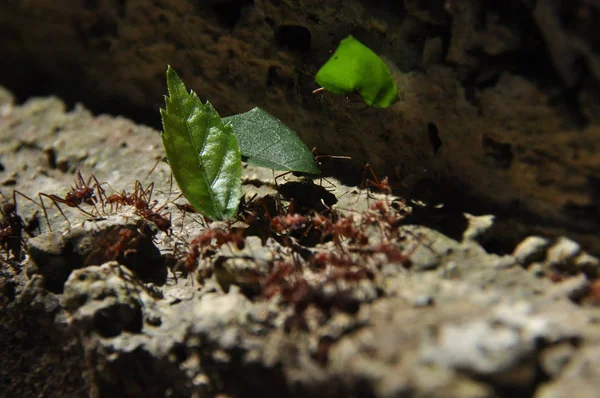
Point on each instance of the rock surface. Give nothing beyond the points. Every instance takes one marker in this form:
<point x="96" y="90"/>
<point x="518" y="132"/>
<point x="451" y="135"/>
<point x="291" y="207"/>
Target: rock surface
<point x="96" y="310"/>
<point x="499" y="101"/>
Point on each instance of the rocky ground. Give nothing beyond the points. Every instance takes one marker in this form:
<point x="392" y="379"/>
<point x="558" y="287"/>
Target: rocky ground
<point x="347" y="295"/>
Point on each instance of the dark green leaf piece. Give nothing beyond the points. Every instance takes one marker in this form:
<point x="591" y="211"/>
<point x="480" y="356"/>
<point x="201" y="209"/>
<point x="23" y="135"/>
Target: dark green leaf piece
<point x="203" y="152"/>
<point x="354" y="67"/>
<point x="266" y="142"/>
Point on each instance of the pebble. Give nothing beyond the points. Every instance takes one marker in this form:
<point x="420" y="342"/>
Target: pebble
<point x="530" y="249"/>
<point x="562" y="252"/>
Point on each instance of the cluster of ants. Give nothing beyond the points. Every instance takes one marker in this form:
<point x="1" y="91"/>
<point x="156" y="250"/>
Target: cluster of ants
<point x="90" y="193"/>
<point x="348" y="249"/>
<point x="348" y="259"/>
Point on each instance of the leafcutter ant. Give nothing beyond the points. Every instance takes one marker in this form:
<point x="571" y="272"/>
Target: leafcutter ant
<point x="12" y="226"/>
<point x="381" y="185"/>
<point x="210" y="240"/>
<point x="81" y="193"/>
<point x="140" y="200"/>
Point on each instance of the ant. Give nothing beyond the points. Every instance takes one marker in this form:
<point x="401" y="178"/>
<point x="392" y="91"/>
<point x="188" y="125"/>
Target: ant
<point x="345" y="227"/>
<point x="81" y="193"/>
<point x="127" y="238"/>
<point x="211" y="239"/>
<point x="319" y="157"/>
<point x="386" y="216"/>
<point x="140" y="199"/>
<point x="393" y="253"/>
<point x="288" y="223"/>
<point x="320" y="260"/>
<point x="160" y="220"/>
<point x="119" y="199"/>
<point x="12" y="226"/>
<point x="350" y="276"/>
<point x="382" y="185"/>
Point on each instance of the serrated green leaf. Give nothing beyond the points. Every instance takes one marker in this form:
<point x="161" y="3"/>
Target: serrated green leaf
<point x="203" y="152"/>
<point x="354" y="67"/>
<point x="266" y="142"/>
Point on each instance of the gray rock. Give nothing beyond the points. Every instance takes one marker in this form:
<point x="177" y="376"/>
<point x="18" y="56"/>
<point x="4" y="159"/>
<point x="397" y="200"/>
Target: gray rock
<point x="562" y="252"/>
<point x="51" y="256"/>
<point x="530" y="249"/>
<point x="104" y="299"/>
<point x="580" y="378"/>
<point x="478" y="348"/>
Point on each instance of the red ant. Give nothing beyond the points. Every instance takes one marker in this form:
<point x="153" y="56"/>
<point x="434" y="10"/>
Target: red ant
<point x="81" y="193"/>
<point x="320" y="260"/>
<point x="12" y="226"/>
<point x="384" y="215"/>
<point x="322" y="224"/>
<point x="140" y="200"/>
<point x="162" y="223"/>
<point x="11" y="230"/>
<point x="275" y="281"/>
<point x="119" y="199"/>
<point x="288" y="223"/>
<point x="205" y="241"/>
<point x="351" y="276"/>
<point x="121" y="247"/>
<point x="319" y="157"/>
<point x="382" y="185"/>
<point x="394" y="254"/>
<point x="186" y="207"/>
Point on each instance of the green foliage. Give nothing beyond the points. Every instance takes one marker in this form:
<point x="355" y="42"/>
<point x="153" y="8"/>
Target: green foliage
<point x="265" y="141"/>
<point x="353" y="67"/>
<point x="203" y="152"/>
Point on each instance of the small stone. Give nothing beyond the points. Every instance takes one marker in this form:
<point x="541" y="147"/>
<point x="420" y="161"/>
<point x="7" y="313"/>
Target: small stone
<point x="478" y="225"/>
<point x="503" y="262"/>
<point x="423" y="300"/>
<point x="450" y="270"/>
<point x="537" y="269"/>
<point x="587" y="264"/>
<point x="530" y="249"/>
<point x="153" y="320"/>
<point x="48" y="258"/>
<point x="562" y="252"/>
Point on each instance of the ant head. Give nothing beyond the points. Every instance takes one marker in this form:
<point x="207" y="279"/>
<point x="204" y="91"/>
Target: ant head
<point x="9" y="208"/>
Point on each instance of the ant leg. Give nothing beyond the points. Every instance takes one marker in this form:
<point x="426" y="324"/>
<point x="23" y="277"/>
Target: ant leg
<point x="33" y="220"/>
<point x="79" y="181"/>
<point x="15" y="192"/>
<point x="144" y="194"/>
<point x="171" y="186"/>
<point x="169" y="230"/>
<point x="46" y="212"/>
<point x="148" y="192"/>
<point x="153" y="167"/>
<point x="279" y="176"/>
<point x="100" y="190"/>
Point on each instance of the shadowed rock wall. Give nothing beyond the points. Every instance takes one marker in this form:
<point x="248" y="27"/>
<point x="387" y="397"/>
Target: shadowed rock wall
<point x="499" y="100"/>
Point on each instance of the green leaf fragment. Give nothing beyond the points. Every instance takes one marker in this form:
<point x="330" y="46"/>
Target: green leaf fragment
<point x="266" y="142"/>
<point x="354" y="67"/>
<point x="203" y="152"/>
